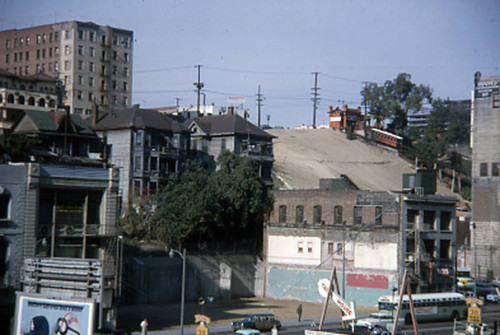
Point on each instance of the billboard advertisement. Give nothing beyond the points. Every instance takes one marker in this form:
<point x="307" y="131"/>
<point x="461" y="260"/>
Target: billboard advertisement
<point x="37" y="315"/>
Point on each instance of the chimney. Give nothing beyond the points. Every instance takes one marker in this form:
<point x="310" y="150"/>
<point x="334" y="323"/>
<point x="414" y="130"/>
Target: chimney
<point x="330" y="109"/>
<point x="230" y="110"/>
<point x="95" y="116"/>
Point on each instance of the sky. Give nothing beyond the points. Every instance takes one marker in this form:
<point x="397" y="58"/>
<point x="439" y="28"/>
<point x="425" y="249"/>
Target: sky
<point x="278" y="44"/>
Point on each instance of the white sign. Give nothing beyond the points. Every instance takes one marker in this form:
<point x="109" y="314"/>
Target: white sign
<point x="323" y="285"/>
<point x="236" y="100"/>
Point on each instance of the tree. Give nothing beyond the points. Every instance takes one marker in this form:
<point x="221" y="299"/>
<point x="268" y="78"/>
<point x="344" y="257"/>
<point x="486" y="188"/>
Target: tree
<point x="227" y="205"/>
<point x="394" y="100"/>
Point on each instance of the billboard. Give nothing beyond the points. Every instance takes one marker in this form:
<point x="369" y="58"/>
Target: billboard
<point x="37" y="315"/>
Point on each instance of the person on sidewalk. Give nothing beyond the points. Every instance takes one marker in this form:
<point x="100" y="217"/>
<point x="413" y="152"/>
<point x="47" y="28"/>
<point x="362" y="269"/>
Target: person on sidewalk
<point x="144" y="327"/>
<point x="299" y="312"/>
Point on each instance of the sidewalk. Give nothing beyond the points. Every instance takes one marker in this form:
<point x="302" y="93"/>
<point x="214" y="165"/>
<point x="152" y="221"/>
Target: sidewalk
<point x="163" y="319"/>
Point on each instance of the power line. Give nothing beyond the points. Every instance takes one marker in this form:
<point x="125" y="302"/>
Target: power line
<point x="164" y="69"/>
<point x="256" y="72"/>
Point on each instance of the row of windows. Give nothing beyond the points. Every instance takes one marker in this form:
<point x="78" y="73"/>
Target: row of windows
<point x="92" y="35"/>
<point x="493" y="171"/>
<point x="104" y="55"/>
<point x="40" y="38"/>
<point x="44" y="67"/>
<point x="337" y="214"/>
<point x="25" y="56"/>
<point x="21" y="100"/>
<point x="103" y="99"/>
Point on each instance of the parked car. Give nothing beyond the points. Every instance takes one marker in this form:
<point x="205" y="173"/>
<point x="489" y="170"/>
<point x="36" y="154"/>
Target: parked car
<point x="247" y="332"/>
<point x="257" y="321"/>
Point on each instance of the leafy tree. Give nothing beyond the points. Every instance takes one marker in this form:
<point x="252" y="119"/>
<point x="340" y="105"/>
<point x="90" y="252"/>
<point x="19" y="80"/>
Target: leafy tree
<point x="394" y="100"/>
<point x="226" y="205"/>
<point x="19" y="146"/>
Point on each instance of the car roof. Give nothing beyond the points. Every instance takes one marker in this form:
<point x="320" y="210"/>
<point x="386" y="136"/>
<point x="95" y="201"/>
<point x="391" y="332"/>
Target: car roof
<point x="247" y="332"/>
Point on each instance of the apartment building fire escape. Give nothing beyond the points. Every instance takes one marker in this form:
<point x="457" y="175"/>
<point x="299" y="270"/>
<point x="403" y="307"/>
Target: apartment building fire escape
<point x="106" y="71"/>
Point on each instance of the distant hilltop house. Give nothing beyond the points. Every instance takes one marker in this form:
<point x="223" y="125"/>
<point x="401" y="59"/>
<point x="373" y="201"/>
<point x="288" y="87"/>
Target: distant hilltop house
<point x="191" y="112"/>
<point x="149" y="147"/>
<point x="213" y="134"/>
<point x="346" y="118"/>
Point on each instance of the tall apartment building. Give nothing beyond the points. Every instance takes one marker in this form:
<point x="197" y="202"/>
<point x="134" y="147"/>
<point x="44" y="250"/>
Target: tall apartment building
<point x="93" y="61"/>
<point x="486" y="175"/>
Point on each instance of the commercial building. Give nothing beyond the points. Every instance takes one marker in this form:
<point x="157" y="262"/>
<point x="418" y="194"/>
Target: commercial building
<point x="370" y="237"/>
<point x="93" y="61"/>
<point x="486" y="176"/>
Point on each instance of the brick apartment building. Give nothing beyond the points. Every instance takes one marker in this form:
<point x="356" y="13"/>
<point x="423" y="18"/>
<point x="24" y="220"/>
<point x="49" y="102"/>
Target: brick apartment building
<point x="93" y="61"/>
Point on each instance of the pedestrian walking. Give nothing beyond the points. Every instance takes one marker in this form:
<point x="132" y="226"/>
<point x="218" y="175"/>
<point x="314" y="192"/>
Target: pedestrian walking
<point x="144" y="327"/>
<point x="299" y="312"/>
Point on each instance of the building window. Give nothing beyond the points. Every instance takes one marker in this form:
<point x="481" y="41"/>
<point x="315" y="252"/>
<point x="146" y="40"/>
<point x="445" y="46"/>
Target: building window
<point x="50" y="67"/>
<point x="56" y="36"/>
<point x="338" y="215"/>
<point x="445" y="221"/>
<point x="7" y="44"/>
<point x="80" y="50"/>
<point x="56" y="66"/>
<point x="50" y="52"/>
<point x="358" y="215"/>
<point x="496" y="100"/>
<point x="43" y="53"/>
<point x="137" y="165"/>
<point x="80" y="80"/>
<point x="299" y="214"/>
<point x="15" y="57"/>
<point x="80" y="34"/>
<point x="125" y="42"/>
<point x="125" y="101"/>
<point x="309" y="247"/>
<point x="115" y="40"/>
<point x="38" y="69"/>
<point x="115" y="100"/>
<point x="50" y="37"/>
<point x="115" y="69"/>
<point x="91" y="96"/>
<point x="67" y="50"/>
<point x="66" y="64"/>
<point x="282" y="214"/>
<point x="56" y="51"/>
<point x="494" y="170"/>
<point x="44" y="38"/>
<point x="429" y="220"/>
<point x="317" y="214"/>
<point x="15" y="42"/>
<point x="26" y="70"/>
<point x="300" y="247"/>
<point x="125" y="71"/>
<point x="92" y="36"/>
<point x="91" y="67"/>
<point x="80" y="65"/>
<point x="113" y="84"/>
<point x="445" y="250"/>
<point x="38" y="54"/>
<point x="4" y="206"/>
<point x="38" y="39"/>
<point x="27" y="55"/>
<point x="378" y="215"/>
<point x="27" y="40"/>
<point x="92" y="52"/>
<point x="115" y="55"/>
<point x="7" y="56"/>
<point x="125" y="86"/>
<point x="483" y="169"/>
<point x="125" y="56"/>
<point x="91" y="82"/>
<point x="79" y="95"/>
<point x="330" y="248"/>
<point x="138" y="138"/>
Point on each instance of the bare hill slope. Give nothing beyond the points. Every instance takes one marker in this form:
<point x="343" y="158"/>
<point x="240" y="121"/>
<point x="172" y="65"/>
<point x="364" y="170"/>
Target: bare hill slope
<point x="303" y="156"/>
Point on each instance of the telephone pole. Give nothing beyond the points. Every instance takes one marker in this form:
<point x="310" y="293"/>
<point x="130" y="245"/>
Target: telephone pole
<point x="260" y="98"/>
<point x="199" y="85"/>
<point x="315" y="97"/>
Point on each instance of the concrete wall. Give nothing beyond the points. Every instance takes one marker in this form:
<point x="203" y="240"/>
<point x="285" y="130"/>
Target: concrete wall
<point x="302" y="284"/>
<point x="159" y="279"/>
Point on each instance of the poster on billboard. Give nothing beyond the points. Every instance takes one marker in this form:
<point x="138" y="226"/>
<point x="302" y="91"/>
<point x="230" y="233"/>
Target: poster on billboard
<point x="37" y="315"/>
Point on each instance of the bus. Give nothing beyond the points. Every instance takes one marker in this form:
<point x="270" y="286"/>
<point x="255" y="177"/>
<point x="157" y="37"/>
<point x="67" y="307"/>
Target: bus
<point x="428" y="306"/>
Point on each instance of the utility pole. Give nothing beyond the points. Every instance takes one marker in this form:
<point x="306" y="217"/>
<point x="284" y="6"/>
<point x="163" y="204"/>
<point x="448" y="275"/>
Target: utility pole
<point x="315" y="97"/>
<point x="199" y="85"/>
<point x="260" y="98"/>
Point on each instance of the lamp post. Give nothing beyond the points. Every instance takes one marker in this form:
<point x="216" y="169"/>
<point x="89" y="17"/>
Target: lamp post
<point x="42" y="241"/>
<point x="183" y="289"/>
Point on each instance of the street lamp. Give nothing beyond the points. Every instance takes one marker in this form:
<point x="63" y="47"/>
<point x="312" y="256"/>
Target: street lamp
<point x="183" y="289"/>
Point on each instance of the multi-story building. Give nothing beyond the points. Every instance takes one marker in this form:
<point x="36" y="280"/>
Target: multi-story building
<point x="345" y="118"/>
<point x="93" y="61"/>
<point x="213" y="134"/>
<point x="370" y="237"/>
<point x="148" y="147"/>
<point x="486" y="176"/>
<point x="20" y="93"/>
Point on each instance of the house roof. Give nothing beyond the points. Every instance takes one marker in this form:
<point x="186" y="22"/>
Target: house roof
<point x="40" y="121"/>
<point x="135" y="117"/>
<point x="228" y="124"/>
